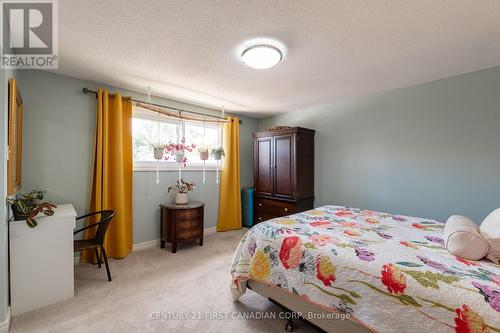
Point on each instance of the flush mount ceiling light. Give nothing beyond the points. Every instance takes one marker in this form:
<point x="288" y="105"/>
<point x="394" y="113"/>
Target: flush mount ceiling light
<point x="261" y="56"/>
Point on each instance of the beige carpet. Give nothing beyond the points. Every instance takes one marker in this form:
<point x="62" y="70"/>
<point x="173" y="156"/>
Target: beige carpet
<point x="195" y="281"/>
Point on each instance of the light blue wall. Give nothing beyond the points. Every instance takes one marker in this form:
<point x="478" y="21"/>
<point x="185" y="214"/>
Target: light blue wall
<point x="431" y="150"/>
<point x="58" y="143"/>
<point x="5" y="75"/>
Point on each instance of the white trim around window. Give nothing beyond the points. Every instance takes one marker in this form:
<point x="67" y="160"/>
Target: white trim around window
<point x="173" y="166"/>
<point x="170" y="165"/>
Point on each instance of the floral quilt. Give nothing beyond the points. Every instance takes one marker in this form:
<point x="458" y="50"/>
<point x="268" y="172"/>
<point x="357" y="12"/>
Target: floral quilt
<point x="391" y="273"/>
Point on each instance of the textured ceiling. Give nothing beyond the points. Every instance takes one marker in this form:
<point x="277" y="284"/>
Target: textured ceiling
<point x="188" y="50"/>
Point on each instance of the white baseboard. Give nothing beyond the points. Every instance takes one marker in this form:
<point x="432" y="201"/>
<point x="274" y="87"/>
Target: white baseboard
<point x="146" y="245"/>
<point x="151" y="244"/>
<point x="156" y="243"/>
<point x="211" y="230"/>
<point x="4" y="325"/>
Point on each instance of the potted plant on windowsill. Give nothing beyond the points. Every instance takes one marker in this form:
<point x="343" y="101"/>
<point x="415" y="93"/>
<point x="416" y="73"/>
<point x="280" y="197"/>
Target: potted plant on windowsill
<point x="181" y="190"/>
<point x="27" y="207"/>
<point x="203" y="150"/>
<point x="218" y="153"/>
<point x="158" y="151"/>
<point x="178" y="151"/>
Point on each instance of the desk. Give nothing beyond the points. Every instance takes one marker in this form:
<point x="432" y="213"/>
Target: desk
<point x="42" y="260"/>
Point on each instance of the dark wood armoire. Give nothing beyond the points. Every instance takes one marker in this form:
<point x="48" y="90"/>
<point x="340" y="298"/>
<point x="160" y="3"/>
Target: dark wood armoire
<point x="283" y="172"/>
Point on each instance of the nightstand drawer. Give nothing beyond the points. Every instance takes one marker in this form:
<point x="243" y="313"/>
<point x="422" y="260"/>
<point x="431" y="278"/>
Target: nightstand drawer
<point x="189" y="224"/>
<point x="188" y="214"/>
<point x="189" y="234"/>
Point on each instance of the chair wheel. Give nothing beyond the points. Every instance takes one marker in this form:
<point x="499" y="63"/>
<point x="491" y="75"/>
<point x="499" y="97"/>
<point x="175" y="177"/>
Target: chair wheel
<point x="289" y="326"/>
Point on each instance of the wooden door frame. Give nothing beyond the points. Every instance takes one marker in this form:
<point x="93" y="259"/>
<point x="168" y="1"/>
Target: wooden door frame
<point x="15" y="139"/>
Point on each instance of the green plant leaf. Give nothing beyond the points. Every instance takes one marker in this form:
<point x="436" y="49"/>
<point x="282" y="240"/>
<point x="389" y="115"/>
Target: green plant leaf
<point x="31" y="222"/>
<point x="309" y="245"/>
<point x="430" y="279"/>
<point x="346" y="298"/>
<point x="408" y="300"/>
<point x="21" y="206"/>
<point x="48" y="212"/>
<point x="344" y="245"/>
<point x="408" y="264"/>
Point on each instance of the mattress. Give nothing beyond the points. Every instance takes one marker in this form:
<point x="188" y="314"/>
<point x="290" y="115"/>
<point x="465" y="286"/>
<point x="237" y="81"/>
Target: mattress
<point x="389" y="273"/>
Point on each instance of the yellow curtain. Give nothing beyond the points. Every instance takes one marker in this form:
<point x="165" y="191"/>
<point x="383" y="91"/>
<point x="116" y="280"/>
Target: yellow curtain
<point x="229" y="198"/>
<point x="112" y="173"/>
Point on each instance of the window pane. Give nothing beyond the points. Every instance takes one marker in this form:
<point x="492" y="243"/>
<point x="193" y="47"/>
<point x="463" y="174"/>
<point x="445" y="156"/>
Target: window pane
<point x="200" y="136"/>
<point x="145" y="133"/>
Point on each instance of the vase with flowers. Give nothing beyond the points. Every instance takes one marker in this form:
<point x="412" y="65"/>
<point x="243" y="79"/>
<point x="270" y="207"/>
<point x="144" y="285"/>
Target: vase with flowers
<point x="178" y="151"/>
<point x="181" y="189"/>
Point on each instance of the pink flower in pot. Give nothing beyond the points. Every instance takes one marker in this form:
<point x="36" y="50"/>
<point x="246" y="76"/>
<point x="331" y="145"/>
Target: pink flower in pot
<point x="178" y="151"/>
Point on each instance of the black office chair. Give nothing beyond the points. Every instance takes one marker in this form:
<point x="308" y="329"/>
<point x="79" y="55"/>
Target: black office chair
<point x="98" y="240"/>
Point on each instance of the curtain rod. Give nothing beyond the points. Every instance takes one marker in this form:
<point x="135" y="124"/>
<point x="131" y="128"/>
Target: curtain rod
<point x="89" y="91"/>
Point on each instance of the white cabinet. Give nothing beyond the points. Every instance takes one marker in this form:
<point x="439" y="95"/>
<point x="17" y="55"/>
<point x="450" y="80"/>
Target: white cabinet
<point x="42" y="260"/>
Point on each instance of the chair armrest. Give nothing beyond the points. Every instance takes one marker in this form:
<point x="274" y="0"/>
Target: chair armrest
<point x="87" y="215"/>
<point x="87" y="227"/>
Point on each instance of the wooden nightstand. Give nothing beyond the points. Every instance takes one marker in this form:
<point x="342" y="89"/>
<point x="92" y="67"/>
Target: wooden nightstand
<point x="180" y="223"/>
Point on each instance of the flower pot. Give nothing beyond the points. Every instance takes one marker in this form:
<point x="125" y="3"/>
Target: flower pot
<point x="158" y="152"/>
<point x="181" y="198"/>
<point x="18" y="216"/>
<point x="218" y="153"/>
<point x="204" y="155"/>
<point x="179" y="156"/>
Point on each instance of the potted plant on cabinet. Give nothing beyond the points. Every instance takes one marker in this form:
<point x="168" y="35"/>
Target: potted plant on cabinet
<point x="27" y="207"/>
<point x="181" y="189"/>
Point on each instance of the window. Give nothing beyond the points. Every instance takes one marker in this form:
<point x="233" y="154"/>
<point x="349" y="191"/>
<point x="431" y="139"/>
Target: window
<point x="148" y="128"/>
<point x="194" y="132"/>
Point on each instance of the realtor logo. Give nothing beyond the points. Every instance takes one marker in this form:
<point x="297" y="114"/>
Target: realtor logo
<point x="29" y="34"/>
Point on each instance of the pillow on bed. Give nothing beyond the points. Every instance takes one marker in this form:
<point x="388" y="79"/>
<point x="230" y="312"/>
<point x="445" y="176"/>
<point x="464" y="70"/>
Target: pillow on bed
<point x="490" y="230"/>
<point x="462" y="238"/>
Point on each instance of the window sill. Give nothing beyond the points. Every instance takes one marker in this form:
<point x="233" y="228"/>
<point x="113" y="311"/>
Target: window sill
<point x="196" y="169"/>
<point x="172" y="167"/>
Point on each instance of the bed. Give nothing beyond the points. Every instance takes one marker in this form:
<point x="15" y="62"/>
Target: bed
<point x="383" y="272"/>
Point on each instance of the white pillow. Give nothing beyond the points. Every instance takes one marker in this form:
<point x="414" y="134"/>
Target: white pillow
<point x="462" y="238"/>
<point x="490" y="230"/>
